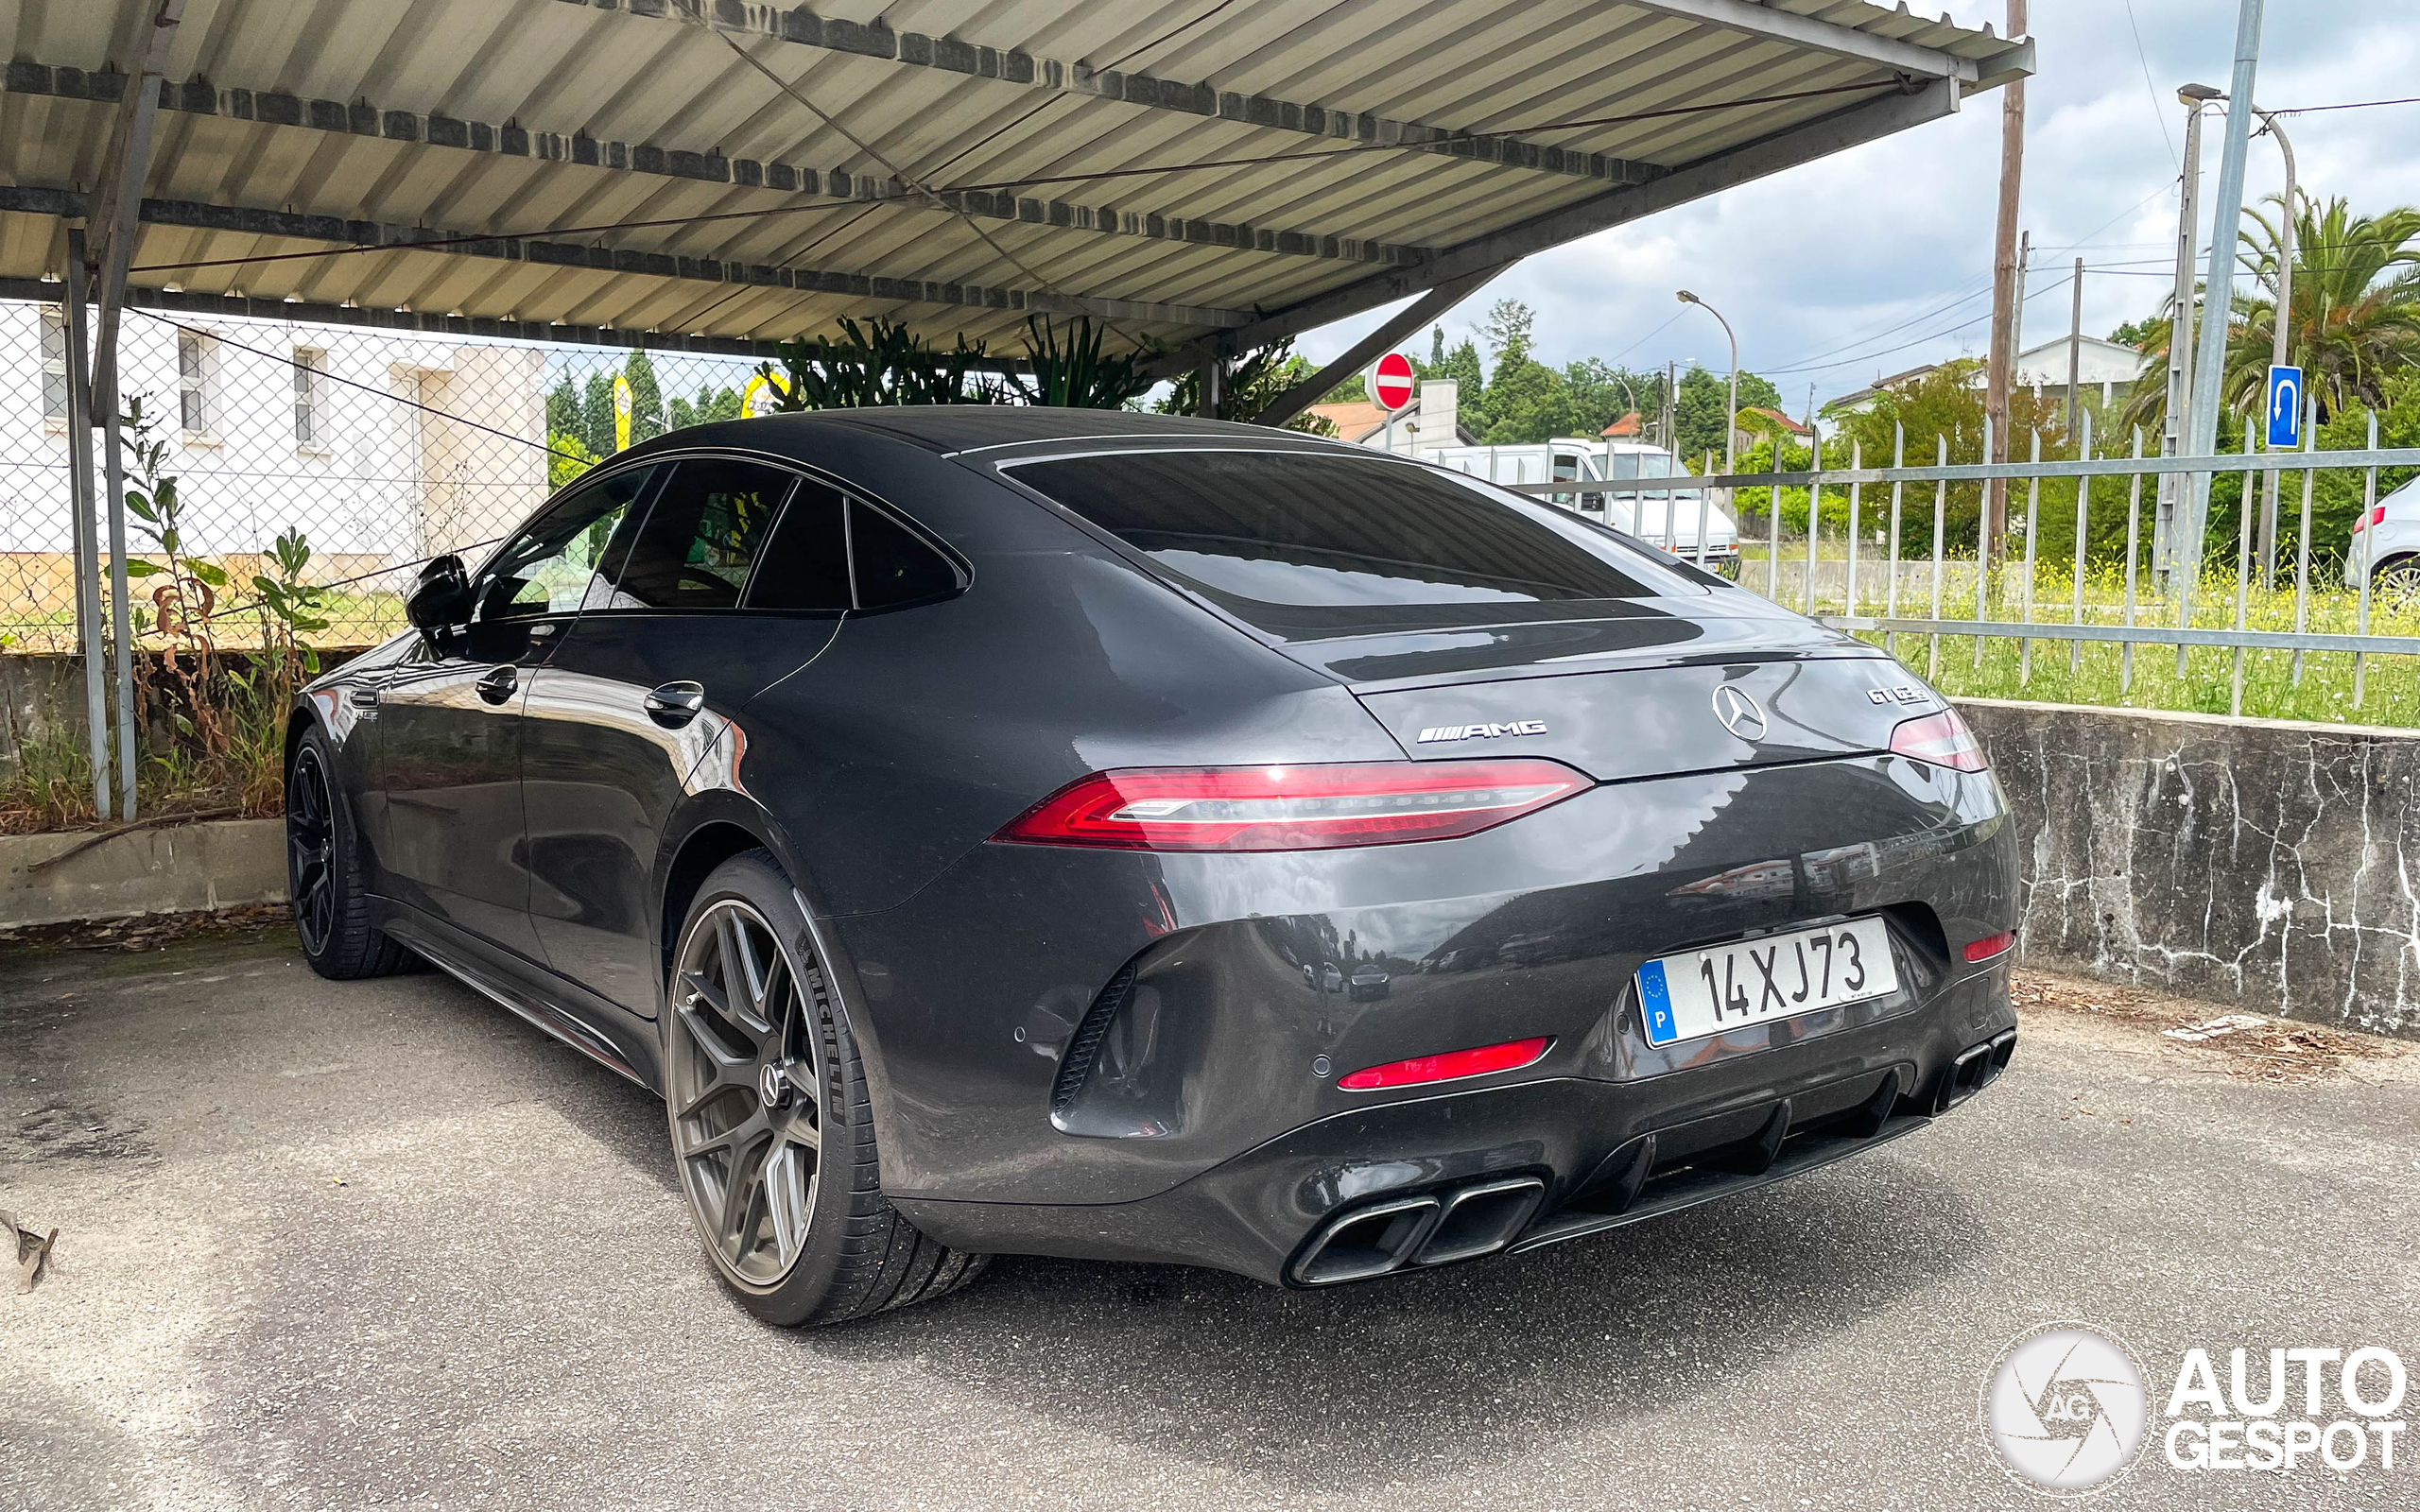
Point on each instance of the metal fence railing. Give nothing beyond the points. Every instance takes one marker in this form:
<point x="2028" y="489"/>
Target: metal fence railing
<point x="1883" y="552"/>
<point x="378" y="447"/>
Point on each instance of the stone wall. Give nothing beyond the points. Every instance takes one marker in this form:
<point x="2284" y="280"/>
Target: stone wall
<point x="2265" y="862"/>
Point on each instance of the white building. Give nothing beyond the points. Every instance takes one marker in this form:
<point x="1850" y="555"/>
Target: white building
<point x="382" y="447"/>
<point x="2103" y="367"/>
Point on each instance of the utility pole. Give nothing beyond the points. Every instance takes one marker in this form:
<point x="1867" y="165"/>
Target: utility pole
<point x="2210" y="354"/>
<point x="2075" y="345"/>
<point x="1672" y="412"/>
<point x="2279" y="348"/>
<point x="2180" y="332"/>
<point x="2005" y="294"/>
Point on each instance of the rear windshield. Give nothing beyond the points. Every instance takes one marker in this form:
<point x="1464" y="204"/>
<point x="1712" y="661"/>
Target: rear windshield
<point x="1302" y="544"/>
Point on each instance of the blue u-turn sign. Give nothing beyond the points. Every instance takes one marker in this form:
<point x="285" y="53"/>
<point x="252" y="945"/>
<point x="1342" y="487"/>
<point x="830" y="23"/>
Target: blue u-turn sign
<point x="2285" y="408"/>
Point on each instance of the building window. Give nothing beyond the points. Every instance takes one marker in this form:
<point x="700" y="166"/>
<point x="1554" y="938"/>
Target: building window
<point x="198" y="383"/>
<point x="310" y="398"/>
<point x="54" y="363"/>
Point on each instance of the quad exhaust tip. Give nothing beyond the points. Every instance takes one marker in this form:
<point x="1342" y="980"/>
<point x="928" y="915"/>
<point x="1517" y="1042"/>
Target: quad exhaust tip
<point x="1976" y="1068"/>
<point x="1437" y="1228"/>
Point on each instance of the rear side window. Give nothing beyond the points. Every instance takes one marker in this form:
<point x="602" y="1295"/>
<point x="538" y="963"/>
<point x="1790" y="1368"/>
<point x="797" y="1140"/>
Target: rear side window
<point x="1304" y="544"/>
<point x="708" y="522"/>
<point x="826" y="541"/>
<point x="807" y="564"/>
<point x="892" y="566"/>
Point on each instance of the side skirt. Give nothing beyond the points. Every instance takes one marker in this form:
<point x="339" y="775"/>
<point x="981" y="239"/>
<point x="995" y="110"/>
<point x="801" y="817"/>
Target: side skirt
<point x="469" y="963"/>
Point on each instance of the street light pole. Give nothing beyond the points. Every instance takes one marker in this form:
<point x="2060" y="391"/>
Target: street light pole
<point x="2180" y="334"/>
<point x="1730" y="420"/>
<point x="2210" y="354"/>
<point x="2279" y="348"/>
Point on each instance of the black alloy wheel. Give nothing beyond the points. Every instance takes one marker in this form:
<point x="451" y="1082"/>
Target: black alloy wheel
<point x="310" y="850"/>
<point x="324" y="873"/>
<point x="773" y="1128"/>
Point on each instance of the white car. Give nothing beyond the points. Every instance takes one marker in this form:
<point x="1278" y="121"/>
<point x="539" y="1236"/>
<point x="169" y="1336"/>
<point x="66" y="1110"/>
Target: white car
<point x="2386" y="538"/>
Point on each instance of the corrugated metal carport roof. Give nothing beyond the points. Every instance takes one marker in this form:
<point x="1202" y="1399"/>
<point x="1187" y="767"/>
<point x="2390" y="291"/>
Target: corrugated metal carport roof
<point x="733" y="173"/>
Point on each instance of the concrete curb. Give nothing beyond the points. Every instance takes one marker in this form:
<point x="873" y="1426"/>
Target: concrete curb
<point x="169" y="870"/>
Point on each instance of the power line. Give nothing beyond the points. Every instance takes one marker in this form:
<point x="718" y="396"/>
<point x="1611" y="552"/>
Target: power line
<point x="2349" y="105"/>
<point x="2158" y="113"/>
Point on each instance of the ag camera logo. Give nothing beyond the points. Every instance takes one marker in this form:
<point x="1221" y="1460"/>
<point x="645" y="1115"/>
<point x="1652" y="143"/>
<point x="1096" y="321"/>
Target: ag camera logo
<point x="2066" y="1409"/>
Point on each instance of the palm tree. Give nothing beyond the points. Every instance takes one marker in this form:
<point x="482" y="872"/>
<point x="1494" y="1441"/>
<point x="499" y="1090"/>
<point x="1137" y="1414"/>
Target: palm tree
<point x="2356" y="315"/>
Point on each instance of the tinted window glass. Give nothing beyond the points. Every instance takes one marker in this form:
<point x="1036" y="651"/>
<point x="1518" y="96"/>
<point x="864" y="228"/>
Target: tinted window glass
<point x="703" y="534"/>
<point x="805" y="566"/>
<point x="1330" y="544"/>
<point x="551" y="567"/>
<point x="893" y="567"/>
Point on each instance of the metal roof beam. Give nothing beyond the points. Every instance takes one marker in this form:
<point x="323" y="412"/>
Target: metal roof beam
<point x="1820" y="35"/>
<point x="416" y="322"/>
<point x="345" y="235"/>
<point x="196" y="97"/>
<point x="1728" y="169"/>
<point x="1412" y="318"/>
<point x="802" y="27"/>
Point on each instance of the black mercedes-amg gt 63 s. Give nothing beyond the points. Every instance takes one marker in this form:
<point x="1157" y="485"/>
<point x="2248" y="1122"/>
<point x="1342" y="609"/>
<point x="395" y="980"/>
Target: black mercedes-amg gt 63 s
<point x="1089" y="833"/>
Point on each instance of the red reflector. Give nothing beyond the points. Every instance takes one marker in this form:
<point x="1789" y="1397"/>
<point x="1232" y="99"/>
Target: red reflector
<point x="1990" y="945"/>
<point x="1293" y="808"/>
<point x="1452" y="1065"/>
<point x="1942" y="739"/>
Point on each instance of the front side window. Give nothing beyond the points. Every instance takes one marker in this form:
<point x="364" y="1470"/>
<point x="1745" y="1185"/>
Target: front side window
<point x="702" y="536"/>
<point x="54" y="363"/>
<point x="198" y="383"/>
<point x="558" y="564"/>
<point x="1305" y="545"/>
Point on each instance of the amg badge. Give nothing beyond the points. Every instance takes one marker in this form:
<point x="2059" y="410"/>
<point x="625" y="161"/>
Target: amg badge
<point x="1518" y="727"/>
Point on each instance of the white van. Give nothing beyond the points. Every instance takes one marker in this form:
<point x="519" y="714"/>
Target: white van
<point x="1669" y="521"/>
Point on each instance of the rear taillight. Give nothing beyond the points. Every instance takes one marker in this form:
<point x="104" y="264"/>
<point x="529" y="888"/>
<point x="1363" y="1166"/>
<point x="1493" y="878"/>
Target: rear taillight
<point x="1451" y="1066"/>
<point x="1989" y="946"/>
<point x="1293" y="808"/>
<point x="2374" y="515"/>
<point x="1942" y="739"/>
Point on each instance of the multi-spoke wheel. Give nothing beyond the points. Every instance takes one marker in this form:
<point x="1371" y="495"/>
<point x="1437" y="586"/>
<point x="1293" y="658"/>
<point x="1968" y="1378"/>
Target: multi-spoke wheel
<point x="2397" y="582"/>
<point x="771" y="1129"/>
<point x="324" y="872"/>
<point x="741" y="1082"/>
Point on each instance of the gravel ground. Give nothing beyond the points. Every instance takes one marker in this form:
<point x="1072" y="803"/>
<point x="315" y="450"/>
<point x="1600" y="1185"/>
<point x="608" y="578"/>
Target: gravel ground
<point x="382" y="1243"/>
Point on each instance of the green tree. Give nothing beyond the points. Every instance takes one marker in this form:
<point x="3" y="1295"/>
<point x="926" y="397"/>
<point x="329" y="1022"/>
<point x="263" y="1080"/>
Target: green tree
<point x="1462" y="365"/>
<point x="1703" y="396"/>
<point x="646" y="397"/>
<point x="2354" y="322"/>
<point x="712" y="404"/>
<point x="1508" y="327"/>
<point x="596" y="414"/>
<point x="1254" y="381"/>
<point x="2132" y="334"/>
<point x="563" y="406"/>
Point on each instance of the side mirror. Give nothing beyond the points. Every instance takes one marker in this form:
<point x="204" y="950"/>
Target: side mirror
<point x="441" y="597"/>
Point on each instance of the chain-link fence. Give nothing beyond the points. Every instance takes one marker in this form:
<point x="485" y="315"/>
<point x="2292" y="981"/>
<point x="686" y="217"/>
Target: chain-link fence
<point x="378" y="448"/>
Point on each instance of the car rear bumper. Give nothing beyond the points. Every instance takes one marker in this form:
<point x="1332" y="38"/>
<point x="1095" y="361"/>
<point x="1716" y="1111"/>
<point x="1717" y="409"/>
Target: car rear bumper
<point x="1460" y="1174"/>
<point x="1068" y="1034"/>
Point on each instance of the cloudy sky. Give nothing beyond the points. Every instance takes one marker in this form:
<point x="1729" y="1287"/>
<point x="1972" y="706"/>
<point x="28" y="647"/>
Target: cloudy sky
<point x="1879" y="259"/>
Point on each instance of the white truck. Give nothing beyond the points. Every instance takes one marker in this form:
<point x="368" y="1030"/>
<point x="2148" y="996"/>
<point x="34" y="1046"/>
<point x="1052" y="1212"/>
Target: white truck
<point x="1670" y="520"/>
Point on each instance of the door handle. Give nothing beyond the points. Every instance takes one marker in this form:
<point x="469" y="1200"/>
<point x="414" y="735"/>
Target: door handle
<point x="675" y="704"/>
<point x="498" y="685"/>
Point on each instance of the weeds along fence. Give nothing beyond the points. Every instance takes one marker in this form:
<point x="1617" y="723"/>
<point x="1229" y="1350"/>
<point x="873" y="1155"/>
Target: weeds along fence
<point x="373" y="448"/>
<point x="2079" y="606"/>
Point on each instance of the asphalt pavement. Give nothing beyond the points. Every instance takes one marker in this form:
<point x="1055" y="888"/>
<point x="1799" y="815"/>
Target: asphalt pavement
<point x="382" y="1243"/>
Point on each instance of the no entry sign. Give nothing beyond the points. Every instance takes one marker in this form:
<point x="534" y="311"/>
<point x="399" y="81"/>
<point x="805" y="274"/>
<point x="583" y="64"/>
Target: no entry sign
<point x="1391" y="381"/>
